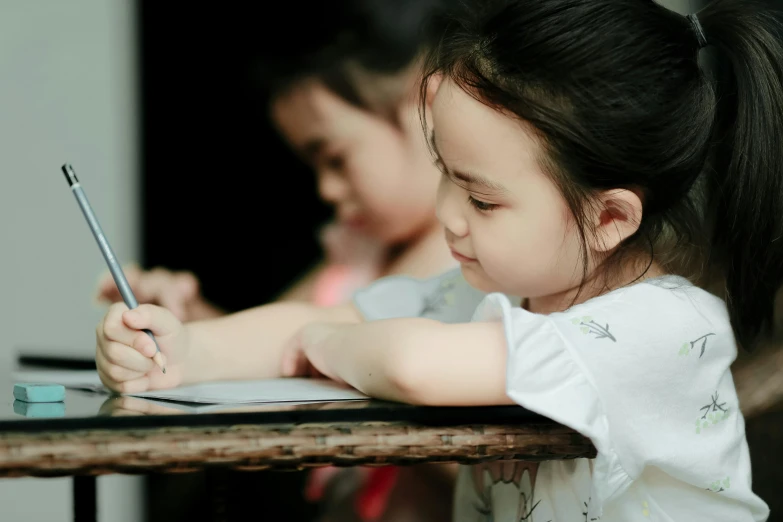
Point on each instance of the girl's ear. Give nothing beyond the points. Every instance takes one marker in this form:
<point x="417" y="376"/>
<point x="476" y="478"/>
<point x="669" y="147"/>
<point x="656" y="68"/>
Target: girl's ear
<point x="433" y="84"/>
<point x="617" y="215"/>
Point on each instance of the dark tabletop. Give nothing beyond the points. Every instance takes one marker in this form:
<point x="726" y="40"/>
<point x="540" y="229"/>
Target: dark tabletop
<point x="92" y="410"/>
<point x="93" y="433"/>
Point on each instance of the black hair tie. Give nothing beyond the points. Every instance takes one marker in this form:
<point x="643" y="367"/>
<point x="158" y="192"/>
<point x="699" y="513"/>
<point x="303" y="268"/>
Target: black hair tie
<point x="701" y="38"/>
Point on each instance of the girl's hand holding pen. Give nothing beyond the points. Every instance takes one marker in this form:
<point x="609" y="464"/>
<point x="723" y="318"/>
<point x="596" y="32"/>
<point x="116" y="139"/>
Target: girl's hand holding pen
<point x="124" y="351"/>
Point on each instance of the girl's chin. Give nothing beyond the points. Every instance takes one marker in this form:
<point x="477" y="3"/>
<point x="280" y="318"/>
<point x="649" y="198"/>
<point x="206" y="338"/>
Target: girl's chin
<point x="478" y="279"/>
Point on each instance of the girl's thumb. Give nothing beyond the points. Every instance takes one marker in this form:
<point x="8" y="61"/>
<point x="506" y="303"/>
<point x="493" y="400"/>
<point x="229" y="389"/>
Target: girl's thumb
<point x="154" y="318"/>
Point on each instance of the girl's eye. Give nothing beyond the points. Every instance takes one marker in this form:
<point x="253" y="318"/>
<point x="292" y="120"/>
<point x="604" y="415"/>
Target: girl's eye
<point x="334" y="162"/>
<point x="481" y="206"/>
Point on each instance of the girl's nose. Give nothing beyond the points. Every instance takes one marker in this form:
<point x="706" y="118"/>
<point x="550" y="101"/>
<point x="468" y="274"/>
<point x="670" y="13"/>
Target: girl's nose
<point x="449" y="210"/>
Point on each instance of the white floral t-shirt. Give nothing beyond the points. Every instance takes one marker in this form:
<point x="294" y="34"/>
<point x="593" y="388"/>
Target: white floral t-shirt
<point x="642" y="371"/>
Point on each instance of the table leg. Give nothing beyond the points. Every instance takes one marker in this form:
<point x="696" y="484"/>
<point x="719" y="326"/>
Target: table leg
<point x="85" y="505"/>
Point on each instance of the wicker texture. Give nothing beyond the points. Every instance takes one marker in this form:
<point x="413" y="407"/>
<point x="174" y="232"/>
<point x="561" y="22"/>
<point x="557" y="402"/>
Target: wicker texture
<point x="280" y="447"/>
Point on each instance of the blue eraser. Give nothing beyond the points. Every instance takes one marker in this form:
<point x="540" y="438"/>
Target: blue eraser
<point x="40" y="410"/>
<point x="37" y="392"/>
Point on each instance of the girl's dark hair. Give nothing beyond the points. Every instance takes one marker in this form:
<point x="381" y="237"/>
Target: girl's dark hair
<point x="347" y="44"/>
<point x="615" y="91"/>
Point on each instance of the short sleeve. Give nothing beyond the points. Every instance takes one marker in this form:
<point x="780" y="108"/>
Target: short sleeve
<point x="446" y="298"/>
<point x="543" y="377"/>
<point x="616" y="370"/>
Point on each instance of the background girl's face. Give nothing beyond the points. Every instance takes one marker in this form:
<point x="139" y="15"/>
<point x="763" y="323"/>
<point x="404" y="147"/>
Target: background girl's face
<point x="506" y="221"/>
<point x="378" y="175"/>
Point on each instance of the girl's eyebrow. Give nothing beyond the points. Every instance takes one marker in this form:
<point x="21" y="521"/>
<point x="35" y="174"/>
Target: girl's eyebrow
<point x="470" y="179"/>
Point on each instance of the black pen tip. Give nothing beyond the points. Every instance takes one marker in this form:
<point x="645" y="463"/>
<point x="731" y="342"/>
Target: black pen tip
<point x="70" y="175"/>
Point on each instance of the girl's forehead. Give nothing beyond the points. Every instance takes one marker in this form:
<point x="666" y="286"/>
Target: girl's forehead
<point x="457" y="112"/>
<point x="311" y="112"/>
<point x="474" y="136"/>
<point x="308" y="102"/>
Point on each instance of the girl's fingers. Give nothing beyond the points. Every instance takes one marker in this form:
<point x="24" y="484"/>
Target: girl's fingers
<point x="112" y="328"/>
<point x="116" y="373"/>
<point x="150" y="317"/>
<point x="290" y="354"/>
<point x="294" y="361"/>
<point x="139" y="385"/>
<point x="144" y="345"/>
<point x="125" y="356"/>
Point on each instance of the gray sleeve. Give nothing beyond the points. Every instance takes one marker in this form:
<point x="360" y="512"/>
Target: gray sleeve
<point x="447" y="298"/>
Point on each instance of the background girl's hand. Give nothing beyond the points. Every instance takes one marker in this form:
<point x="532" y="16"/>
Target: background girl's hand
<point x="303" y="358"/>
<point x="179" y="292"/>
<point x="124" y="352"/>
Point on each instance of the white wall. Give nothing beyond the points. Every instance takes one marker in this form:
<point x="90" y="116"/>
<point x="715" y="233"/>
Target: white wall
<point x="67" y="94"/>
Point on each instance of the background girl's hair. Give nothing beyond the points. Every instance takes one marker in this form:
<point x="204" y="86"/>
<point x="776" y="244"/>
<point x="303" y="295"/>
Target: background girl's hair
<point x="615" y="91"/>
<point x="358" y="48"/>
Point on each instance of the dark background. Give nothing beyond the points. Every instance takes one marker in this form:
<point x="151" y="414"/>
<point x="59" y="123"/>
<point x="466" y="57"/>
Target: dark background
<point x="223" y="197"/>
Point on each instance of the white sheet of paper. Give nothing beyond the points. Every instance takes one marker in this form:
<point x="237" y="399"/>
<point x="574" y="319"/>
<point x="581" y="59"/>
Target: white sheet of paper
<point x="249" y="392"/>
<point x="197" y="408"/>
<point x="224" y="392"/>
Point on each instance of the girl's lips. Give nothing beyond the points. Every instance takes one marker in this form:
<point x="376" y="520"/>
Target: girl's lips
<point x="462" y="259"/>
<point x="355" y="222"/>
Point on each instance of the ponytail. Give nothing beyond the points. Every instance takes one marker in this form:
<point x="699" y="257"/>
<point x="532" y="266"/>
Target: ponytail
<point x="745" y="196"/>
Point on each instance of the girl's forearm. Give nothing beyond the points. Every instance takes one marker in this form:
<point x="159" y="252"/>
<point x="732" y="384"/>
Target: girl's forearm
<point x="249" y="344"/>
<point x="420" y="361"/>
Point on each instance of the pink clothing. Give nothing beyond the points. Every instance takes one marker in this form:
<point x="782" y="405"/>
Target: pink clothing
<point x="353" y="262"/>
<point x="336" y="284"/>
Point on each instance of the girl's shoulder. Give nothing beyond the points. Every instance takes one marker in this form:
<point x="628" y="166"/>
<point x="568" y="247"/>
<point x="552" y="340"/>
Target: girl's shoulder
<point x="666" y="303"/>
<point x="647" y="319"/>
<point x="661" y="321"/>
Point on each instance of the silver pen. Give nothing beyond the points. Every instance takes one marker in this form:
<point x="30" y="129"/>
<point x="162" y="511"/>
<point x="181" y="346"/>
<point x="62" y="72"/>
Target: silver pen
<point x="108" y="254"/>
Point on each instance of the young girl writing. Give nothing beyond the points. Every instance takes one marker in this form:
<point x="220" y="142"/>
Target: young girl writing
<point x="584" y="153"/>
